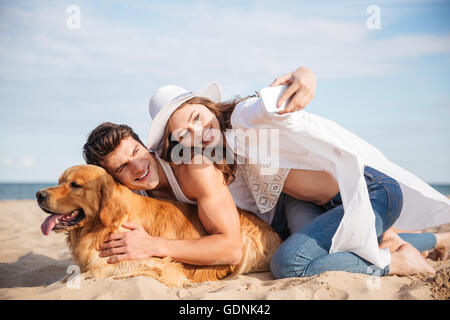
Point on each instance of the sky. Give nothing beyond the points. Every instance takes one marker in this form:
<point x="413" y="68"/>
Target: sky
<point x="389" y="85"/>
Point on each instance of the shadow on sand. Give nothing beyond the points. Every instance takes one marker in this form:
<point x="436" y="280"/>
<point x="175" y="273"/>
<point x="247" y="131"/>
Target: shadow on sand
<point x="33" y="270"/>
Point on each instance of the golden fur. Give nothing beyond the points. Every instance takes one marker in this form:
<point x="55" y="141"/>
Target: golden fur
<point x="107" y="204"/>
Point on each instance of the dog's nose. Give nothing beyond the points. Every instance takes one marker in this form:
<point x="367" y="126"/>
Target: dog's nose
<point x="41" y="195"/>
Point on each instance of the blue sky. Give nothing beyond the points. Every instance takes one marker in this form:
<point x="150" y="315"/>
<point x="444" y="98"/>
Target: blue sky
<point x="390" y="86"/>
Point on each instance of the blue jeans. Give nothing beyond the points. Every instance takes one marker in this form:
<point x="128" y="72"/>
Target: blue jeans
<point x="305" y="251"/>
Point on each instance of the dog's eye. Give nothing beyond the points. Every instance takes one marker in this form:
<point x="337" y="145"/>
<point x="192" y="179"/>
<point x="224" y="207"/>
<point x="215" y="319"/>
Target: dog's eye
<point x="75" y="185"/>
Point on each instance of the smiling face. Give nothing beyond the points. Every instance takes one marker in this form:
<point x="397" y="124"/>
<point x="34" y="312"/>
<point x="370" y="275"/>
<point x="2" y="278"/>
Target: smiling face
<point x="195" y="125"/>
<point x="132" y="165"/>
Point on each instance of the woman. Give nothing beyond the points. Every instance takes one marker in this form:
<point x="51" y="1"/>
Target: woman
<point x="192" y="121"/>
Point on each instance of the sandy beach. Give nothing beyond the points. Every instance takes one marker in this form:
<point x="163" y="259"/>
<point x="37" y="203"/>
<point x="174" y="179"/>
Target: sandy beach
<point x="32" y="266"/>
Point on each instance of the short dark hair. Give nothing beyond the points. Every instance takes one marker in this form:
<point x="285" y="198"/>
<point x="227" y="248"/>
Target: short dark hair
<point x="104" y="139"/>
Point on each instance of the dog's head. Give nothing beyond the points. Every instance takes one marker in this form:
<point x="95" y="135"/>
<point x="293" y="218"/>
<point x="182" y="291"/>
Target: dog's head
<point x="84" y="195"/>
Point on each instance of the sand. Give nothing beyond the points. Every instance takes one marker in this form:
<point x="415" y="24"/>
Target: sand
<point x="32" y="266"/>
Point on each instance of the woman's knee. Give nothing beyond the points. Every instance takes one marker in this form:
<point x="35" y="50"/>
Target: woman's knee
<point x="290" y="261"/>
<point x="279" y="264"/>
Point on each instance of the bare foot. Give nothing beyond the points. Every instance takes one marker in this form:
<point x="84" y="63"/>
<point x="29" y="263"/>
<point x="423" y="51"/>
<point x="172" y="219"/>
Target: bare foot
<point x="437" y="254"/>
<point x="391" y="240"/>
<point x="440" y="252"/>
<point x="407" y="260"/>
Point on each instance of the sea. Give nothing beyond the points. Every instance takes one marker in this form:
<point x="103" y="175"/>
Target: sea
<point x="17" y="191"/>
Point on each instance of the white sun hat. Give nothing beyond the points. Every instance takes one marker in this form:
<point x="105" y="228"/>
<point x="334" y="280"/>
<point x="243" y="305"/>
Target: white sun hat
<point x="166" y="100"/>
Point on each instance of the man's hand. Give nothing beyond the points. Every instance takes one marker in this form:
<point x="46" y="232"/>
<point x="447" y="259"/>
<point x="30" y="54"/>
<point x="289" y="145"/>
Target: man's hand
<point x="301" y="90"/>
<point x="132" y="245"/>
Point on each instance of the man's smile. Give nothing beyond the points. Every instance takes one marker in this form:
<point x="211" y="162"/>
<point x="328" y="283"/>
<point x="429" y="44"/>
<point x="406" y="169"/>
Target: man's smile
<point x="144" y="175"/>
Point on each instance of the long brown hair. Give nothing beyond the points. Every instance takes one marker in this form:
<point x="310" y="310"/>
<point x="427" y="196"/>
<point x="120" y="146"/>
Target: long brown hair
<point x="222" y="111"/>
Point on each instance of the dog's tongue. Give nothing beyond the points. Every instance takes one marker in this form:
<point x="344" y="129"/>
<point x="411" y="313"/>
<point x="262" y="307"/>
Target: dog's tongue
<point x="49" y="223"/>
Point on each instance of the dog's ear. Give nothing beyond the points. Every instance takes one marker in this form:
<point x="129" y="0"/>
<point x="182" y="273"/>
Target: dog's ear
<point x="111" y="209"/>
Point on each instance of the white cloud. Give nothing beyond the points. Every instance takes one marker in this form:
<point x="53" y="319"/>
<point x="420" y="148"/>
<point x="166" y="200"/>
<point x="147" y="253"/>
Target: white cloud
<point x="26" y="162"/>
<point x="7" y="161"/>
<point x="21" y="162"/>
<point x="204" y="44"/>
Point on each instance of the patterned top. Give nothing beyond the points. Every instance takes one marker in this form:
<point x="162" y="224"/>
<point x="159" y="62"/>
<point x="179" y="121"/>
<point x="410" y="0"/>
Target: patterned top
<point x="265" y="185"/>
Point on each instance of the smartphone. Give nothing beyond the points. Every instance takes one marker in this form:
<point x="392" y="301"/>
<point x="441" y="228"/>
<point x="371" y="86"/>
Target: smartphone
<point x="270" y="96"/>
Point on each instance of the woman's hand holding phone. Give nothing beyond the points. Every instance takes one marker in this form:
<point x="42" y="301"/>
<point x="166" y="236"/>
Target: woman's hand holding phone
<point x="300" y="91"/>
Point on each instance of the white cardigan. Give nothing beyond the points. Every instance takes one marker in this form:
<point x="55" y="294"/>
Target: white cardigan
<point x="308" y="141"/>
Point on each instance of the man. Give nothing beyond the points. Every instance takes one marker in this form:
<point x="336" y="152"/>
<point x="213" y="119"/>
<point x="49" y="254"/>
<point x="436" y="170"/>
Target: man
<point x="119" y="150"/>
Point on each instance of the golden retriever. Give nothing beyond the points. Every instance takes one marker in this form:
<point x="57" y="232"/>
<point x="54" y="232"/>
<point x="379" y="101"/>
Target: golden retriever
<point x="89" y="204"/>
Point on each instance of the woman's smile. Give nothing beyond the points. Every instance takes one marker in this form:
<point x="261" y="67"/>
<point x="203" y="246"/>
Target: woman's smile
<point x="208" y="136"/>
